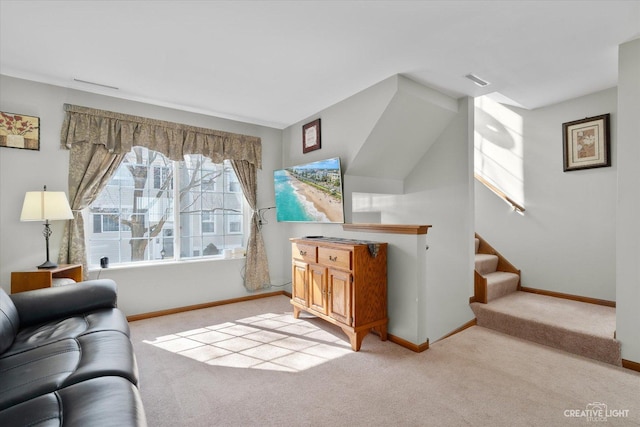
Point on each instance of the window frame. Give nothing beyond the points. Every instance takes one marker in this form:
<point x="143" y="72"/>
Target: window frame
<point x="177" y="236"/>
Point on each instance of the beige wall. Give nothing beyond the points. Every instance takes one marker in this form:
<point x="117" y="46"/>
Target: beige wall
<point x="429" y="294"/>
<point x="628" y="202"/>
<point x="141" y="288"/>
<point x="565" y="239"/>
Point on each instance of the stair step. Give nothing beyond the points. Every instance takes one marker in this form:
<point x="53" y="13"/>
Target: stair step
<point x="576" y="327"/>
<point x="486" y="263"/>
<point x="501" y="283"/>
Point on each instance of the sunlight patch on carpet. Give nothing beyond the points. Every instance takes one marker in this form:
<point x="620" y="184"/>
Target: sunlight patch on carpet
<point x="268" y="341"/>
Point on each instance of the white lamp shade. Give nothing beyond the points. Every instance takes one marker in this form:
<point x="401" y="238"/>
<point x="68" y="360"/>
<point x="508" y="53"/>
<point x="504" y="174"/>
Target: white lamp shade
<point x="45" y="205"/>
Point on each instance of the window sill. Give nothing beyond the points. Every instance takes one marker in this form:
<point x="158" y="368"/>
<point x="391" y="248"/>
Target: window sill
<point x="146" y="264"/>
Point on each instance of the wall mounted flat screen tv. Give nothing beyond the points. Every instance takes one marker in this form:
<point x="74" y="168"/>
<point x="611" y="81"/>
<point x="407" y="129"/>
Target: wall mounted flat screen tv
<point x="310" y="192"/>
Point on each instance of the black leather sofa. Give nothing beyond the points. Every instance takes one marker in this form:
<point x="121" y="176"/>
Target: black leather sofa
<point x="66" y="358"/>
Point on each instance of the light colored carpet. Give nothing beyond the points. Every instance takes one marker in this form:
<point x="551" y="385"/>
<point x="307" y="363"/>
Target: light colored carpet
<point x="306" y="376"/>
<point x="578" y="327"/>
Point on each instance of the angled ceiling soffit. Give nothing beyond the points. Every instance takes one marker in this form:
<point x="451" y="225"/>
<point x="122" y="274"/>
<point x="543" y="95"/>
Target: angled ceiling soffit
<point x="412" y="121"/>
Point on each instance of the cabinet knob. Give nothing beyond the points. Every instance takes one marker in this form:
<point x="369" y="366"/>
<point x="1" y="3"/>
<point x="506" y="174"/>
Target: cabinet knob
<point x="303" y="253"/>
<point x="333" y="258"/>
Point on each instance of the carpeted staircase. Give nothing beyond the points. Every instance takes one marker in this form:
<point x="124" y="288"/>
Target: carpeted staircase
<point x="577" y="327"/>
<point x="494" y="276"/>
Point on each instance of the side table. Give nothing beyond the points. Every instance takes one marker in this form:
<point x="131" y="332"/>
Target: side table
<point x="43" y="278"/>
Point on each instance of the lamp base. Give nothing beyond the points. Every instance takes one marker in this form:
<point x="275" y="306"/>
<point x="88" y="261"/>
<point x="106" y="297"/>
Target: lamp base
<point x="48" y="264"/>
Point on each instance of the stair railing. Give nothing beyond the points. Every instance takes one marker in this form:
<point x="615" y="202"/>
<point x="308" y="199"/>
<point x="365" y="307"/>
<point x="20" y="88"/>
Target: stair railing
<point x="516" y="206"/>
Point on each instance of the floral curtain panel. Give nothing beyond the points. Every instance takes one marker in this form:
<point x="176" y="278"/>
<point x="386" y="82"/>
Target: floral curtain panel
<point x="90" y="168"/>
<point x="256" y="277"/>
<point x="98" y="141"/>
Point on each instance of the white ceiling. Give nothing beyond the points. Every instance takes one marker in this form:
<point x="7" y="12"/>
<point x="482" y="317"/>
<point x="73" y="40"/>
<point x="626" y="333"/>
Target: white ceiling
<point x="278" y="62"/>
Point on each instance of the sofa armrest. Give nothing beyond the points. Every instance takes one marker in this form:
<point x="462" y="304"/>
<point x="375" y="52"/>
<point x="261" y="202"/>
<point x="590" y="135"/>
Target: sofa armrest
<point x="42" y="305"/>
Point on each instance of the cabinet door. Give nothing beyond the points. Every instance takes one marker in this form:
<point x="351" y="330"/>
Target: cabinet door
<point x="339" y="283"/>
<point x="299" y="282"/>
<point x="318" y="288"/>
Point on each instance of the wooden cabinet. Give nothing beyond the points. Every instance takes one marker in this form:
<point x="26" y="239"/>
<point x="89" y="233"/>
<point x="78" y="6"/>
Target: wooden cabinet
<point x="342" y="281"/>
<point x="43" y="278"/>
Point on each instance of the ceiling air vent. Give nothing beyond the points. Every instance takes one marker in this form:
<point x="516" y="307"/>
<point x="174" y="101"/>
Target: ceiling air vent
<point x="95" y="84"/>
<point x="477" y="80"/>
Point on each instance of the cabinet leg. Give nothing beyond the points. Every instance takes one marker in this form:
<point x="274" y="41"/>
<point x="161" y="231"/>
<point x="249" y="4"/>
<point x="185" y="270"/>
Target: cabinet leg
<point x="296" y="312"/>
<point x="382" y="331"/>
<point x="355" y="338"/>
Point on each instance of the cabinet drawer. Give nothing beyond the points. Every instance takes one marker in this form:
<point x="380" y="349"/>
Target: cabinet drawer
<point x="303" y="252"/>
<point x="338" y="258"/>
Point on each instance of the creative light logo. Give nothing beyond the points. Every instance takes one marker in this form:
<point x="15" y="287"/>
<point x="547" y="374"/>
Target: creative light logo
<point x="596" y="411"/>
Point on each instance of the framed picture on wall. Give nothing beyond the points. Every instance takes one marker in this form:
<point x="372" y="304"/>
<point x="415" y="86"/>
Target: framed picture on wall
<point x="311" y="136"/>
<point x="586" y="143"/>
<point x="19" y="131"/>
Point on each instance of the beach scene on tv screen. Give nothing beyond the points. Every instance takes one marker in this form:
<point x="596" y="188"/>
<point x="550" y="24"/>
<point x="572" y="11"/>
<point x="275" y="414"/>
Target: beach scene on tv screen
<point x="310" y="193"/>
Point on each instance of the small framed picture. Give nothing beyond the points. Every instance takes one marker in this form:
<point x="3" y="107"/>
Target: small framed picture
<point x="586" y="143"/>
<point x="19" y="131"/>
<point x="311" y="136"/>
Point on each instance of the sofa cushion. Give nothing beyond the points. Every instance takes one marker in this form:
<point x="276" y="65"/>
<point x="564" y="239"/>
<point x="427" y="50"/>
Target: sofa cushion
<point x="65" y="362"/>
<point x="105" y="401"/>
<point x="9" y="321"/>
<point x="43" y="305"/>
<point x="109" y="319"/>
<point x="36" y="372"/>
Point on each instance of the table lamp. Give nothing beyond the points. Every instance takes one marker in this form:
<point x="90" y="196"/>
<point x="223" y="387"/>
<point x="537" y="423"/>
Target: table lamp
<point x="46" y="206"/>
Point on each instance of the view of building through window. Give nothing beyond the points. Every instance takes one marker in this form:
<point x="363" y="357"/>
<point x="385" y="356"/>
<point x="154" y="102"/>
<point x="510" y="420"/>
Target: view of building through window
<point x="154" y="208"/>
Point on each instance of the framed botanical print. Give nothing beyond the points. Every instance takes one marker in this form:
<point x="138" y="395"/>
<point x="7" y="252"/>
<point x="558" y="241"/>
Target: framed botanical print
<point x="586" y="143"/>
<point x="19" y="131"/>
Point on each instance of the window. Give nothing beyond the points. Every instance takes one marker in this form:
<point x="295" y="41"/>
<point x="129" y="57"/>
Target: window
<point x="157" y="209"/>
<point x="208" y="222"/>
<point x="162" y="175"/>
<point x="234" y="186"/>
<point x="234" y="224"/>
<point x="106" y="221"/>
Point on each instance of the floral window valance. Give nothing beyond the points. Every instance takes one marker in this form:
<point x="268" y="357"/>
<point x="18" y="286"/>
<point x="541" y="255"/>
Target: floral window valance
<point x="119" y="132"/>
